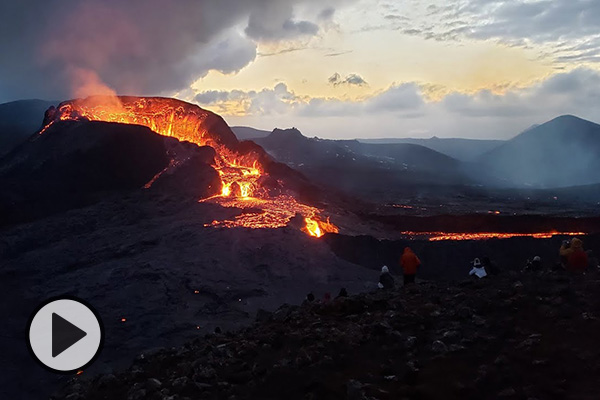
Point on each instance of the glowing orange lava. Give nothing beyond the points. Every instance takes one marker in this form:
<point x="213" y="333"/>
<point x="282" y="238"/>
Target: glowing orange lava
<point x="239" y="173"/>
<point x="317" y="228"/>
<point x="441" y="236"/>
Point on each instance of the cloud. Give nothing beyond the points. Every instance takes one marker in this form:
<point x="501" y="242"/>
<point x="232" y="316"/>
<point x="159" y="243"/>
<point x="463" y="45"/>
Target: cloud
<point x="327" y="14"/>
<point x="279" y="100"/>
<point x="212" y="97"/>
<point x="541" y="21"/>
<point x="564" y="30"/>
<point x="274" y="21"/>
<point x="574" y="92"/>
<point x="405" y="108"/>
<point x="407" y="96"/>
<point x="338" y="53"/>
<point x="144" y="47"/>
<point x="351" y="80"/>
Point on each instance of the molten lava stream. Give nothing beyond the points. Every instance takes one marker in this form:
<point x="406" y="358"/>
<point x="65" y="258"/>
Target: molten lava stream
<point x="443" y="236"/>
<point x="271" y="213"/>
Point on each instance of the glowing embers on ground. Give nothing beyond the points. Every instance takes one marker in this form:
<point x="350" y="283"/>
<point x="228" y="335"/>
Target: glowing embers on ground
<point x="273" y="212"/>
<point x="441" y="236"/>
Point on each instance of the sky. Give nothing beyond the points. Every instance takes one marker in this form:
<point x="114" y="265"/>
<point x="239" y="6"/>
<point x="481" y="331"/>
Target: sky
<point x="485" y="69"/>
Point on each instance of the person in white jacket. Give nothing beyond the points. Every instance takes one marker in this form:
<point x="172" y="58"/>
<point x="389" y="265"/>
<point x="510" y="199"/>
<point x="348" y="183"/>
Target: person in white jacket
<point x="478" y="269"/>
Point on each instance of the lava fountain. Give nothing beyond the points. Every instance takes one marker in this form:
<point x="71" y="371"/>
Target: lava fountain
<point x="241" y="170"/>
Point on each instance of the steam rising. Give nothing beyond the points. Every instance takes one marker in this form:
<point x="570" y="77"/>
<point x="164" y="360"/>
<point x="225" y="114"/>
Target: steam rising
<point x="73" y="48"/>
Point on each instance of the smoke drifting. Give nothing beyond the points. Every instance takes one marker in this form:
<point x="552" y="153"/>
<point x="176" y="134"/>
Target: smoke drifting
<point x="64" y="48"/>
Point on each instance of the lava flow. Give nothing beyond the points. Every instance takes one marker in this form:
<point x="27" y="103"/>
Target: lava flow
<point x="239" y="173"/>
<point x="442" y="236"/>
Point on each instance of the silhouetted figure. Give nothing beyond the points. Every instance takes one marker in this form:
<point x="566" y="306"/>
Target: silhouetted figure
<point x="564" y="258"/>
<point x="574" y="258"/>
<point x="343" y="293"/>
<point x="536" y="263"/>
<point x="533" y="265"/>
<point x="386" y="280"/>
<point x="327" y="297"/>
<point x="409" y="263"/>
<point x="490" y="266"/>
<point x="478" y="270"/>
<point x="309" y="299"/>
<point x="592" y="259"/>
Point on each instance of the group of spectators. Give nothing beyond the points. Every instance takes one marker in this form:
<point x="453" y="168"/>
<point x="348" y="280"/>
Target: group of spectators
<point x="573" y="258"/>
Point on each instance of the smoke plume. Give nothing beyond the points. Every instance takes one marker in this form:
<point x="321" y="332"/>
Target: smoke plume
<point x="64" y="48"/>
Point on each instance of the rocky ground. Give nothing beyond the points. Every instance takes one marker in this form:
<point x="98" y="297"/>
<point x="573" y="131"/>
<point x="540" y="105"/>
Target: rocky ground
<point x="150" y="260"/>
<point x="517" y="336"/>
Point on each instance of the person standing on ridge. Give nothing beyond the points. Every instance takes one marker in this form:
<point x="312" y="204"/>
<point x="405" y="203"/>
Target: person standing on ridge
<point x="386" y="280"/>
<point x="409" y="263"/>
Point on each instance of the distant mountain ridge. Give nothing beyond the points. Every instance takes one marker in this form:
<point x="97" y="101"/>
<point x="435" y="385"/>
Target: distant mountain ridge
<point x="461" y="149"/>
<point x="248" y="133"/>
<point x="562" y="152"/>
<point x="18" y="120"/>
<point x="363" y="169"/>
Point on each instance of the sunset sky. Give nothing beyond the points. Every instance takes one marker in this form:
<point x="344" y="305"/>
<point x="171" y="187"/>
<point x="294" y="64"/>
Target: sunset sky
<point x="332" y="68"/>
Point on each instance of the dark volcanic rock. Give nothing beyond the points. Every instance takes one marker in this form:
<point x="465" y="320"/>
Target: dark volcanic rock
<point x="71" y="162"/>
<point x="75" y="163"/>
<point x="321" y="353"/>
<point x="89" y="156"/>
<point x="193" y="176"/>
<point x="361" y="169"/>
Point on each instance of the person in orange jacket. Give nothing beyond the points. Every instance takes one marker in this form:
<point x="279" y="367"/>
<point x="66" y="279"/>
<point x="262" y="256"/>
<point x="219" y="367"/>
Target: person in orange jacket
<point x="574" y="255"/>
<point x="409" y="263"/>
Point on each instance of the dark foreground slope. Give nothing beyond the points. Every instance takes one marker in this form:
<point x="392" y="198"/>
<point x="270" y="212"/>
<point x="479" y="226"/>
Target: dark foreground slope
<point x="151" y="259"/>
<point x="513" y="337"/>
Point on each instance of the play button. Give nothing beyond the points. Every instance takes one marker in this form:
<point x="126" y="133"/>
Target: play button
<point x="65" y="334"/>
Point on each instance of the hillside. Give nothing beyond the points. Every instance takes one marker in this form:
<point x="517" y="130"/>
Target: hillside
<point x="560" y="153"/>
<point x="362" y="168"/>
<point x="513" y="336"/>
<point x="247" y="133"/>
<point x="461" y="149"/>
<point x="18" y="120"/>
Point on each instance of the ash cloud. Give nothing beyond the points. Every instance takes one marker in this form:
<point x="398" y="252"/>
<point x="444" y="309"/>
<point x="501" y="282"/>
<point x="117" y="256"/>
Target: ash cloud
<point x="144" y="47"/>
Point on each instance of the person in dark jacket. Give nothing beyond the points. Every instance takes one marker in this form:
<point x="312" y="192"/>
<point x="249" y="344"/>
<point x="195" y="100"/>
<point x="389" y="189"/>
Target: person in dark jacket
<point x="490" y="266"/>
<point x="343" y="293"/>
<point x="386" y="280"/>
<point x="534" y="265"/>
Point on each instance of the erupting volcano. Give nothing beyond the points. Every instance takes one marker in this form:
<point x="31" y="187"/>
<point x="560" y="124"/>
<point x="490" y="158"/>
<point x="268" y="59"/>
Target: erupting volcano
<point x="244" y="169"/>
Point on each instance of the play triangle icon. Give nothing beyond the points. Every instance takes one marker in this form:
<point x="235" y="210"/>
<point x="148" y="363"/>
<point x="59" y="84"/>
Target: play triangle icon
<point x="64" y="334"/>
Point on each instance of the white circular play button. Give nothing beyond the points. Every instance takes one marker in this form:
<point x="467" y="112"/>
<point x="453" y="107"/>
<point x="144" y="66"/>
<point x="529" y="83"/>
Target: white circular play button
<point x="65" y="334"/>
